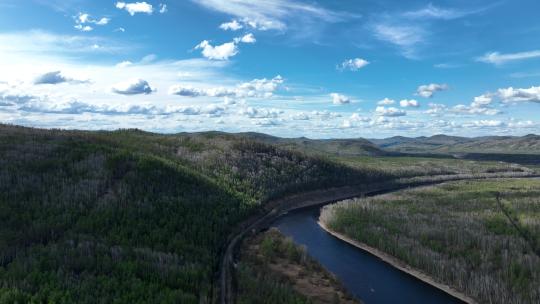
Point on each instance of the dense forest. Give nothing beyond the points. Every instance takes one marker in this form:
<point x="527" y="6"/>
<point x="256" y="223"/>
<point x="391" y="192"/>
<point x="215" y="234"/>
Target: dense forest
<point x="481" y="237"/>
<point x="130" y="216"/>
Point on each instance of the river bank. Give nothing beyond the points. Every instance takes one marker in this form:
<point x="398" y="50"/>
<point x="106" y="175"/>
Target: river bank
<point x="396" y="263"/>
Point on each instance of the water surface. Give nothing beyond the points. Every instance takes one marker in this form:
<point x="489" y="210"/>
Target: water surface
<point x="364" y="275"/>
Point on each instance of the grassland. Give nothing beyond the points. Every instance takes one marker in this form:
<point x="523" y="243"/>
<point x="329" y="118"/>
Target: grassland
<point x="458" y="233"/>
<point x="273" y="269"/>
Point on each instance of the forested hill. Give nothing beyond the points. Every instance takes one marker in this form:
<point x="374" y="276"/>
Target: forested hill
<point x="135" y="217"/>
<point x="324" y="147"/>
<point x="529" y="144"/>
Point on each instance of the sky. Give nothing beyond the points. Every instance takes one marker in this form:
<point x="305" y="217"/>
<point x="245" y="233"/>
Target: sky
<point x="314" y="68"/>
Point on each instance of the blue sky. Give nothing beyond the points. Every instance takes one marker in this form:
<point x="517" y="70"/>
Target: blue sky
<point x="322" y="69"/>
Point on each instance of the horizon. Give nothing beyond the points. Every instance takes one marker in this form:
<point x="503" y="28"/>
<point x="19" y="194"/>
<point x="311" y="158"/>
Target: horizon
<point x="291" y="69"/>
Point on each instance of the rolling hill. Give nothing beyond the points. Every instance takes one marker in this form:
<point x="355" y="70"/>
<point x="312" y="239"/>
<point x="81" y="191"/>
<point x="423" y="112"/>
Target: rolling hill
<point x="529" y="144"/>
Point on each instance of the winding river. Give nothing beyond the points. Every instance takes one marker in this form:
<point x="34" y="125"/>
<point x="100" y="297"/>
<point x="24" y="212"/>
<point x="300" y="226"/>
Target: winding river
<point x="365" y="276"/>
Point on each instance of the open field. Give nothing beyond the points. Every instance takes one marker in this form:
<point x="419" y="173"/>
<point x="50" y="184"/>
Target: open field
<point x="458" y="233"/>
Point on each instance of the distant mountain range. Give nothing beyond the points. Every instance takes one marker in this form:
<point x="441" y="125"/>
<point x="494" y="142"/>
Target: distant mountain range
<point x="334" y="147"/>
<point x="529" y="144"/>
<point x="437" y="144"/>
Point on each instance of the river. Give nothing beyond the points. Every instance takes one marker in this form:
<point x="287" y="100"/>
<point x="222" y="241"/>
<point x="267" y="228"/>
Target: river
<point x="365" y="276"/>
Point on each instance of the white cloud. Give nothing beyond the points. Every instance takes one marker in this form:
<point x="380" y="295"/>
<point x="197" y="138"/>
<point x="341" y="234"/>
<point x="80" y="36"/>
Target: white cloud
<point x="103" y="21"/>
<point x="482" y="101"/>
<point x="301" y="116"/>
<point x="84" y="18"/>
<point x="407" y="37"/>
<point x="271" y="14"/>
<point x="339" y="99"/>
<point x="346" y="124"/>
<point x="219" y="52"/>
<point x="84" y="28"/>
<point x="124" y="64"/>
<point x="433" y="12"/>
<point x="386" y="102"/>
<point x="136" y="7"/>
<point x="436" y="109"/>
<point x="474" y="110"/>
<point x="257" y="88"/>
<point x="56" y="77"/>
<point x="226" y="50"/>
<point x="248" y="38"/>
<point x="510" y="94"/>
<point x="357" y="118"/>
<point x="234" y="25"/>
<point x="133" y="87"/>
<point x="484" y="123"/>
<point x="353" y="64"/>
<point x="252" y="112"/>
<point x="405" y="103"/>
<point x="498" y="59"/>
<point x="162" y="8"/>
<point x="389" y="112"/>
<point x="428" y="90"/>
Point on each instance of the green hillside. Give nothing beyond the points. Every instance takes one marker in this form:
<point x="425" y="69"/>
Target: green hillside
<point x="134" y="217"/>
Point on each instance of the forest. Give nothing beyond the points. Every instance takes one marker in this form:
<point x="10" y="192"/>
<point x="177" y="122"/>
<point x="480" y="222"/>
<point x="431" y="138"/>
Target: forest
<point x="481" y="237"/>
<point x="129" y="216"/>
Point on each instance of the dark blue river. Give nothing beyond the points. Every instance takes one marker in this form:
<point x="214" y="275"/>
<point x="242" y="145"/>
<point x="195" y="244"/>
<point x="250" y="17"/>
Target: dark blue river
<point x="365" y="276"/>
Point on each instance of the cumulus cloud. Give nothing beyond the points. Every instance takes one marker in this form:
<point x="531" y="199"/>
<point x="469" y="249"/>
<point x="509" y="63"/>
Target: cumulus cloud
<point x="133" y="87"/>
<point x="83" y="20"/>
<point x="257" y="88"/>
<point x="428" y="90"/>
<point x="136" y="7"/>
<point x="252" y="112"/>
<point x="482" y="101"/>
<point x="386" y="102"/>
<point x="353" y="64"/>
<point x="498" y="58"/>
<point x="248" y="38"/>
<point x="484" y="123"/>
<point x="225" y="50"/>
<point x="481" y="110"/>
<point x="56" y="77"/>
<point x="389" y="112"/>
<point x="84" y="28"/>
<point x="436" y="109"/>
<point x="409" y="103"/>
<point x="219" y="52"/>
<point x="510" y="94"/>
<point x="233" y="25"/>
<point x="339" y="99"/>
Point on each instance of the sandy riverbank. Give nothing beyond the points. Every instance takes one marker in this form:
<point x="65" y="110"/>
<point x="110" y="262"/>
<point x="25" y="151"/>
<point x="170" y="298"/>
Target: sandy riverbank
<point x="400" y="265"/>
